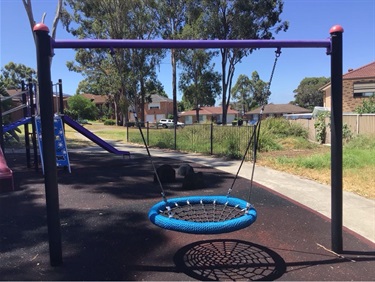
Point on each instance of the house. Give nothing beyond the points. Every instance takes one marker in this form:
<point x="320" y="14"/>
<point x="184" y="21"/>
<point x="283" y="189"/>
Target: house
<point x="275" y="110"/>
<point x="159" y="107"/>
<point x="358" y="84"/>
<point x="100" y="101"/>
<point x="208" y="114"/>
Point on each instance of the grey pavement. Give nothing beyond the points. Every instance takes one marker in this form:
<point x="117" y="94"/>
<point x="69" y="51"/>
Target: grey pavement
<point x="358" y="212"/>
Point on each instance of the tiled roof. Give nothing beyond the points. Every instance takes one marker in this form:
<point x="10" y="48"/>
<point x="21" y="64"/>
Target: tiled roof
<point x="97" y="99"/>
<point x="208" y="111"/>
<point x="155" y="98"/>
<point x="366" y="71"/>
<point x="280" y="109"/>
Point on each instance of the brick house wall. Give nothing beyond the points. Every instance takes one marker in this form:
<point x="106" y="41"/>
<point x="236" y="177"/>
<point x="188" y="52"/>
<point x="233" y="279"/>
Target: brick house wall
<point x="349" y="102"/>
<point x="365" y="74"/>
<point x="165" y="109"/>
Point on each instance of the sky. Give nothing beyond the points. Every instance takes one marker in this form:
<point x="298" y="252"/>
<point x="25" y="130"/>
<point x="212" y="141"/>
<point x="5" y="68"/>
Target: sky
<point x="308" y="20"/>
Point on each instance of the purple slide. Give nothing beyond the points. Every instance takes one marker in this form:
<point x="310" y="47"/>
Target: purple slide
<point x="94" y="138"/>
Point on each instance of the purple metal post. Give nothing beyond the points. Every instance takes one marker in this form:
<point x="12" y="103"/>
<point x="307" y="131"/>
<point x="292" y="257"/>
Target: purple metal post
<point x="204" y="44"/>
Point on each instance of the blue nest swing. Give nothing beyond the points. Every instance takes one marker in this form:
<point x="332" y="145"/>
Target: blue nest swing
<point x="208" y="214"/>
<point x="203" y="214"/>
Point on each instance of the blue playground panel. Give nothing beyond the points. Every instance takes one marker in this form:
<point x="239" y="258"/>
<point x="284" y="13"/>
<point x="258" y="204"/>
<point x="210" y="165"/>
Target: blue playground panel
<point x="62" y="157"/>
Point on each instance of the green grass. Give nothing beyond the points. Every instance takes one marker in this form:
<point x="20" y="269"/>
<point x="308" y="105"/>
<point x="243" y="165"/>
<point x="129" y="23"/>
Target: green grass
<point x="358" y="153"/>
<point x="287" y="145"/>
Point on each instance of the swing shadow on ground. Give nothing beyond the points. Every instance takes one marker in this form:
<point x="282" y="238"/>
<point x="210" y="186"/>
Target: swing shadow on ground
<point x="106" y="234"/>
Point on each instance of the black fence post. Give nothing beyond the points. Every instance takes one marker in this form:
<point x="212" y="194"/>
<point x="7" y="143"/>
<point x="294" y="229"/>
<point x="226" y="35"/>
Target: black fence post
<point x="212" y="139"/>
<point x="148" y="133"/>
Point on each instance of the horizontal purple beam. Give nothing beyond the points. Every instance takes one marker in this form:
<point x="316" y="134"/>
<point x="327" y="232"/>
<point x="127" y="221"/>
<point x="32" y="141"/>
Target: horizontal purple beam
<point x="174" y="44"/>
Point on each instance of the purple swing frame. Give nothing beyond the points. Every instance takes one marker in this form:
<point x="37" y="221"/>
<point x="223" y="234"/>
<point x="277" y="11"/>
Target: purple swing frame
<point x="45" y="49"/>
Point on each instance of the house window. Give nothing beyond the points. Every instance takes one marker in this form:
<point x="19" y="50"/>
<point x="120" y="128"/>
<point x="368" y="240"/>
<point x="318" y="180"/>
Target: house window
<point x="363" y="90"/>
<point x="153" y="106"/>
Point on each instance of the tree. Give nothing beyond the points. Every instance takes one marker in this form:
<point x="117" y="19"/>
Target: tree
<point x="241" y="93"/>
<point x="29" y="11"/>
<point x="260" y="91"/>
<point x="239" y="19"/>
<point x="172" y="15"/>
<point x="199" y="83"/>
<point x="80" y="107"/>
<point x="123" y="72"/>
<point x="250" y="93"/>
<point x="12" y="75"/>
<point x="367" y="107"/>
<point x="154" y="86"/>
<point x="307" y="95"/>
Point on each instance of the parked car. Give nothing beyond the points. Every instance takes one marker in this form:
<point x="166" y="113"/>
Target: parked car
<point x="165" y="123"/>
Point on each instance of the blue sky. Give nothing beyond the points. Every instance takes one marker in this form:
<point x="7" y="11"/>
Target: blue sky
<point x="309" y="20"/>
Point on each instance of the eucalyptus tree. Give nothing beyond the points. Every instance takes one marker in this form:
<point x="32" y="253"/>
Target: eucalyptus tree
<point x="172" y="16"/>
<point x="29" y="11"/>
<point x="199" y="82"/>
<point x="307" y="94"/>
<point x="123" y="72"/>
<point x="239" y="19"/>
<point x="12" y="75"/>
<point x="260" y="91"/>
<point x="250" y="93"/>
<point x="241" y="93"/>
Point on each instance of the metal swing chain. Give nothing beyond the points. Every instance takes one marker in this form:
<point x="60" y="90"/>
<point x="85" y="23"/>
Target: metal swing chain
<point x="112" y="52"/>
<point x="257" y="126"/>
<point x="255" y="131"/>
<point x="152" y="162"/>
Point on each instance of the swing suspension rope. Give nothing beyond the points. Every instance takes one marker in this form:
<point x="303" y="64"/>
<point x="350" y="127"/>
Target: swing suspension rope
<point x="208" y="214"/>
<point x="256" y="132"/>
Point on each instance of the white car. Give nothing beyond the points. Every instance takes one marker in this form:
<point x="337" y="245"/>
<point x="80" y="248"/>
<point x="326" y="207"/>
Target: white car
<point x="165" y="123"/>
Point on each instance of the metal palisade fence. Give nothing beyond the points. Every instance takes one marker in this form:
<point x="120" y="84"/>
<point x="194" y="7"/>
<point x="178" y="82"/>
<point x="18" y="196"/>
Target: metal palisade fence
<point x="207" y="138"/>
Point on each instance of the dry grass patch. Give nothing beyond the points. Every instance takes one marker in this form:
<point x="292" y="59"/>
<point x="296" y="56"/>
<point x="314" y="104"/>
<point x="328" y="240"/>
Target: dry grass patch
<point x="357" y="180"/>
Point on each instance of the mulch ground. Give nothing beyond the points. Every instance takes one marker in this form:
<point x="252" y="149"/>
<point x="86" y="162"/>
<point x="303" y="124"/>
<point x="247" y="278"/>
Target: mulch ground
<point x="106" y="234"/>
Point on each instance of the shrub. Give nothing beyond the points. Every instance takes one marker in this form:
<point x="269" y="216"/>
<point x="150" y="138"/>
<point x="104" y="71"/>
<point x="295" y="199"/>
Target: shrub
<point x="321" y="127"/>
<point x="82" y="107"/>
<point x="283" y="128"/>
<point x="367" y="107"/>
<point x="109" y="122"/>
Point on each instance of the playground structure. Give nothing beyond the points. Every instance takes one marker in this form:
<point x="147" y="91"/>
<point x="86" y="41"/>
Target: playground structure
<point x="29" y="106"/>
<point x="45" y="49"/>
<point x="6" y="175"/>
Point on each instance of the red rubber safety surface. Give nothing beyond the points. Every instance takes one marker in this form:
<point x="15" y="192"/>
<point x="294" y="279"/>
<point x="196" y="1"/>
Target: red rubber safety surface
<point x="106" y="234"/>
